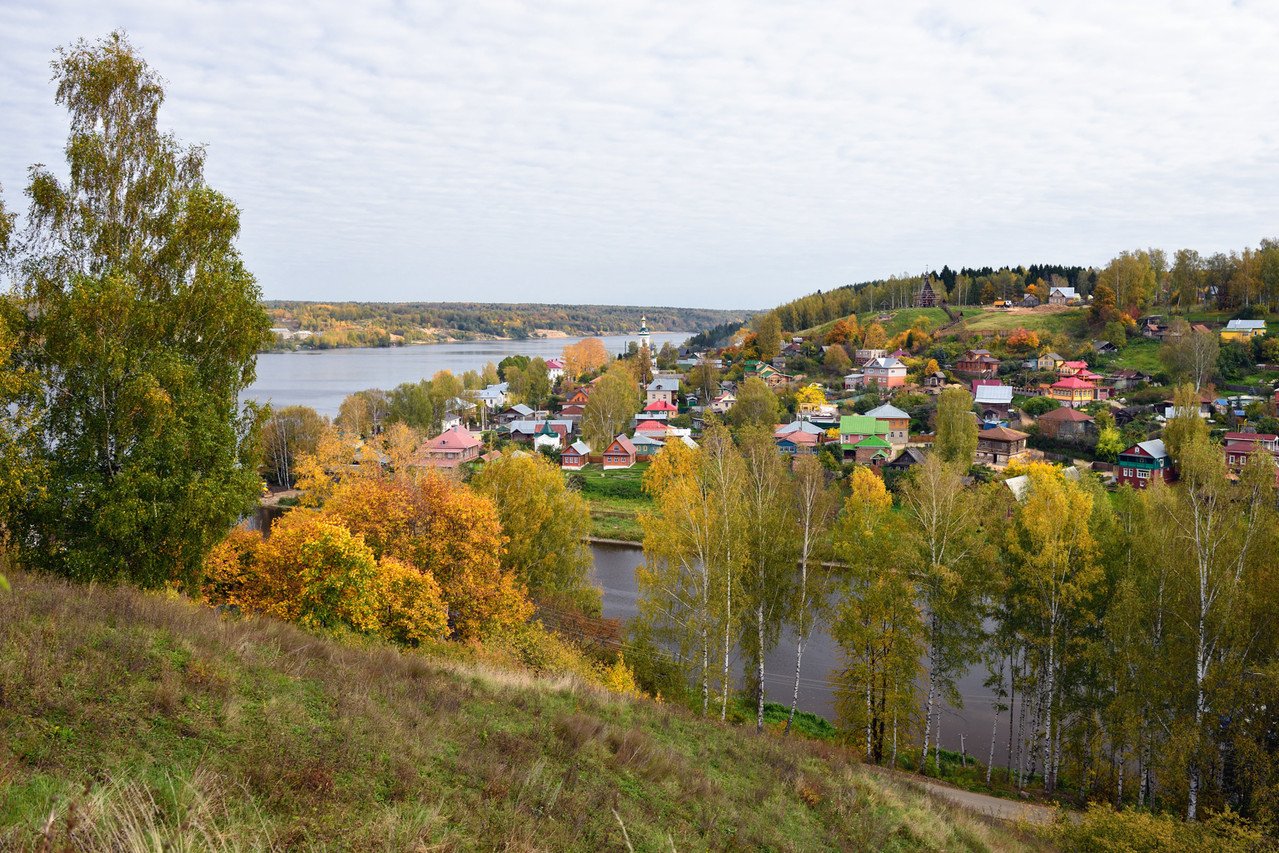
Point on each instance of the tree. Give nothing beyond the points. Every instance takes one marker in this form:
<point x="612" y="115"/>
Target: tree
<point x="756" y="405"/>
<point x="1131" y="277"/>
<point x="444" y="529"/>
<point x="362" y="413"/>
<point x="546" y="526"/>
<point x="1185" y="427"/>
<point x="814" y="503"/>
<point x="1190" y="355"/>
<point x="875" y="337"/>
<point x="1110" y="441"/>
<point x="945" y="541"/>
<point x="586" y="356"/>
<point x="537" y="383"/>
<point x="140" y="329"/>
<point x="956" y="427"/>
<point x="667" y="356"/>
<point x="768" y="335"/>
<point x="770" y="552"/>
<point x="1053" y="554"/>
<point x="877" y="621"/>
<point x="843" y="332"/>
<point x="692" y="554"/>
<point x="642" y="366"/>
<point x="612" y="405"/>
<point x="836" y="359"/>
<point x="1215" y="531"/>
<point x="1185" y="278"/>
<point x="704" y="379"/>
<point x="286" y="434"/>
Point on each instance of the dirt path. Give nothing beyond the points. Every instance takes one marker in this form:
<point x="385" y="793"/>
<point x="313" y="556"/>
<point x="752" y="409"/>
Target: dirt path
<point x="983" y="804"/>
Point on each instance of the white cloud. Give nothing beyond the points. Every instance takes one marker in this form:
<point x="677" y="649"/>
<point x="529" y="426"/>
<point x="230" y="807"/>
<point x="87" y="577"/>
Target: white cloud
<point x="703" y="154"/>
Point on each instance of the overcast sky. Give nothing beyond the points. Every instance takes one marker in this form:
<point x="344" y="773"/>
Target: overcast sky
<point x="688" y="153"/>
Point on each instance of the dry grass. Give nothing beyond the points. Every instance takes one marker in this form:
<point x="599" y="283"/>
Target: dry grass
<point x="132" y="721"/>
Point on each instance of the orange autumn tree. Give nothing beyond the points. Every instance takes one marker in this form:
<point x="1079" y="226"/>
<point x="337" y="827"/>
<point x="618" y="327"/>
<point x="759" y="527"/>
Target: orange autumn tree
<point x="441" y="529"/>
<point x="314" y="571"/>
<point x="1023" y="340"/>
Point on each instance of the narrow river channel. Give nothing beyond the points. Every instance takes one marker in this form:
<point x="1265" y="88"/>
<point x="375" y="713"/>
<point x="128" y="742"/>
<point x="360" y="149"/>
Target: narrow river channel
<point x="614" y="573"/>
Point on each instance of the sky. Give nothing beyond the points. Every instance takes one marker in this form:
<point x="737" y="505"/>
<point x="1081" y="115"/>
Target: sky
<point x="710" y="154"/>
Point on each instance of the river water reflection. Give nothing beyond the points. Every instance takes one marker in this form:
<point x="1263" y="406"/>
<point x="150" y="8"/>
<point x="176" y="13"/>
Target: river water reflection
<point x="614" y="573"/>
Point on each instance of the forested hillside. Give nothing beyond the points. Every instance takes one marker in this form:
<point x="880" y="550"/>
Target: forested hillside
<point x="375" y="323"/>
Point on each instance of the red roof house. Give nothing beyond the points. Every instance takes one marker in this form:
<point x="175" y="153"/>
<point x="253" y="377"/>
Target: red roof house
<point x="619" y="454"/>
<point x="449" y="449"/>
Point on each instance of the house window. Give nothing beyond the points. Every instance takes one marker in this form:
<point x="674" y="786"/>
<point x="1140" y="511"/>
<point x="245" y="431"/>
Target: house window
<point x="1143" y="474"/>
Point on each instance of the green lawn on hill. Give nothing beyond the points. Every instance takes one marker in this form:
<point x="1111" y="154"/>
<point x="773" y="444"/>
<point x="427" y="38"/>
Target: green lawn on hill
<point x="616" y="498"/>
<point x="144" y="721"/>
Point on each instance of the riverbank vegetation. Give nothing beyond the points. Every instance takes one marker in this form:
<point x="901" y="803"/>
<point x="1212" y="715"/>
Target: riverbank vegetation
<point x="1113" y="652"/>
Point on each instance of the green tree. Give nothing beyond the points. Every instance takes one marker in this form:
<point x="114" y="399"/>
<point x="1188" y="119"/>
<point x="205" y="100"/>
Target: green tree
<point x="546" y="526"/>
<point x="612" y="405"/>
<point x="287" y="433"/>
<point x="877" y="622"/>
<point x="140" y="328"/>
<point x="815" y="502"/>
<point x="537" y="383"/>
<point x="945" y="541"/>
<point x="956" y="427"/>
<point x="362" y="413"/>
<point x="768" y="335"/>
<point x="756" y="405"/>
<point x="1131" y="277"/>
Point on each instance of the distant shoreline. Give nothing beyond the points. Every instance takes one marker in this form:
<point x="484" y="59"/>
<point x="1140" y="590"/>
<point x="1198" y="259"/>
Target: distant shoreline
<point x="563" y="336"/>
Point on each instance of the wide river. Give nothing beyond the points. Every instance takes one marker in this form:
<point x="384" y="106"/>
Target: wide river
<point x="322" y="379"/>
<point x="615" y="575"/>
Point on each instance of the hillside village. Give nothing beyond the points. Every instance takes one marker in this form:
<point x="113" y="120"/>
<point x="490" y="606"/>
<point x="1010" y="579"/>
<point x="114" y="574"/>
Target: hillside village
<point x="854" y="395"/>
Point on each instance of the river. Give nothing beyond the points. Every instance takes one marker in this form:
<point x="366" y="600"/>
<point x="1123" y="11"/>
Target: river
<point x="322" y="379"/>
<point x="614" y="573"/>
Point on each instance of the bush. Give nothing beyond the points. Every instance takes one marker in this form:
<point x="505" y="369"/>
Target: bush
<point x="1103" y="829"/>
<point x="1037" y="406"/>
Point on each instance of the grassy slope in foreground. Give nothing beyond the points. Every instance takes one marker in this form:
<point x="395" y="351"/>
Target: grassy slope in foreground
<point x="153" y="712"/>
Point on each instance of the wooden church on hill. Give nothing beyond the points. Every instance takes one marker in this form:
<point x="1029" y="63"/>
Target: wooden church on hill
<point x="927" y="297"/>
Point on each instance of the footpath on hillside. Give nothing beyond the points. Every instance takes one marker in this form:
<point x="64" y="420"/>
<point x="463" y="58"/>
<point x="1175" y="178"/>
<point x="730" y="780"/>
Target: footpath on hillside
<point x="982" y="804"/>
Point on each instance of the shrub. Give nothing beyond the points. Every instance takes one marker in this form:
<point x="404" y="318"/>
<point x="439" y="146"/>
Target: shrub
<point x="1103" y="829"/>
<point x="1037" y="406"/>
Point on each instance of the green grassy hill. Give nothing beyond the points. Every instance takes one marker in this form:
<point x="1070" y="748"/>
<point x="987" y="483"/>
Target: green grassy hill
<point x="142" y="721"/>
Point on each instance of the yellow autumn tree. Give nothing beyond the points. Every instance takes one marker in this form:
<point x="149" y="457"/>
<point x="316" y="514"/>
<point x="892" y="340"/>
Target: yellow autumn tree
<point x="412" y="607"/>
<point x="232" y="577"/>
<point x="317" y="573"/>
<point x="545" y="525"/>
<point x="445" y="530"/>
<point x="585" y="356"/>
<point x="810" y="398"/>
<point x="875" y="336"/>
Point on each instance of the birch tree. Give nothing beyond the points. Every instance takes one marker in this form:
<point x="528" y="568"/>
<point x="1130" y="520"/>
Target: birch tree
<point x="947" y="545"/>
<point x="814" y="503"/>
<point x="770" y="552"/>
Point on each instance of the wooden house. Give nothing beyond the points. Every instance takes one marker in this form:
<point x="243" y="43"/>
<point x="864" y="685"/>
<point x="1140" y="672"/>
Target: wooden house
<point x="897" y="421"/>
<point x="1144" y="461"/>
<point x="619" y="454"/>
<point x="1066" y="424"/>
<point x="575" y="456"/>
<point x="999" y="445"/>
<point x="449" y="449"/>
